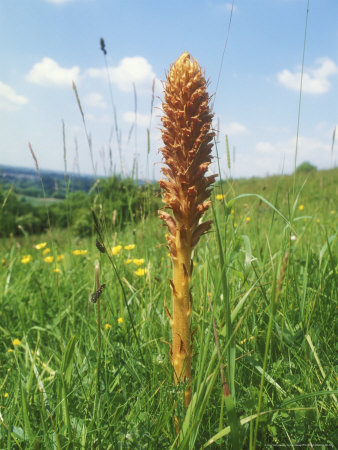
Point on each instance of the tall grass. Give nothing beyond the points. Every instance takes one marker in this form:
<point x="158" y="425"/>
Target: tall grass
<point x="282" y="331"/>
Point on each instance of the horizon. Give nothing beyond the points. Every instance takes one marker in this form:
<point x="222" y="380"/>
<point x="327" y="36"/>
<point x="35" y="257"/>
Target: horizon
<point x="60" y="173"/>
<point x="255" y="95"/>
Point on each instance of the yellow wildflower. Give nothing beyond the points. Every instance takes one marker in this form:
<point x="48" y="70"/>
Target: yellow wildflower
<point x="318" y="220"/>
<point x="40" y="246"/>
<point x="220" y="196"/>
<point x="10" y="350"/>
<point x="128" y="261"/>
<point x="48" y="259"/>
<point x="26" y="259"/>
<point x="6" y="394"/>
<point x="115" y="250"/>
<point x="232" y="211"/>
<point x="45" y="251"/>
<point x="16" y="342"/>
<point x="235" y="225"/>
<point x="247" y="219"/>
<point x="107" y="326"/>
<point x="138" y="262"/>
<point x="80" y="252"/>
<point x="120" y="320"/>
<point x="60" y="257"/>
<point x="129" y="247"/>
<point x="56" y="270"/>
<point x="301" y="207"/>
<point x="332" y="211"/>
<point x="3" y="261"/>
<point x="140" y="272"/>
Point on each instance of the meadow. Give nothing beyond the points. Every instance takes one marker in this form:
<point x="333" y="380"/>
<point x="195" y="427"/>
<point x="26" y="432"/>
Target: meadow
<point x="81" y="374"/>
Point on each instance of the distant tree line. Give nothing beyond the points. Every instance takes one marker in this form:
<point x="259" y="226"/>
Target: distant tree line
<point x="55" y="184"/>
<point x="117" y="201"/>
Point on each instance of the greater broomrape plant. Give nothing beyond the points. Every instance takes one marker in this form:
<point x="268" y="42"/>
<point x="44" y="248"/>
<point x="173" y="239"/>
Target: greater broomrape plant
<point x="187" y="139"/>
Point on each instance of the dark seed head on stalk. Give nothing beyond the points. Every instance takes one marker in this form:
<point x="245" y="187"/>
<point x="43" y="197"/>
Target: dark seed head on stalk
<point x="103" y="46"/>
<point x="101" y="248"/>
<point x="94" y="297"/>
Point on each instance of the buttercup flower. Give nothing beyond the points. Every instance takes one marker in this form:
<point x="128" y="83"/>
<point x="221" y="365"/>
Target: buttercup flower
<point x="301" y="207"/>
<point x="60" y="257"/>
<point x="115" y="250"/>
<point x="129" y="247"/>
<point x="128" y="261"/>
<point x="107" y="326"/>
<point x="220" y="197"/>
<point x="140" y="272"/>
<point x="48" y="259"/>
<point x="26" y="259"/>
<point x="40" y="246"/>
<point x="45" y="251"/>
<point x="16" y="342"/>
<point x="138" y="262"/>
<point x="57" y="270"/>
<point x="80" y="252"/>
<point x="120" y="320"/>
<point x="247" y="219"/>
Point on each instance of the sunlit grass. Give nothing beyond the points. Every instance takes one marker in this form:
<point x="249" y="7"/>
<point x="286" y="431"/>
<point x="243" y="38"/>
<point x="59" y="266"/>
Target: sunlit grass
<point x="281" y="347"/>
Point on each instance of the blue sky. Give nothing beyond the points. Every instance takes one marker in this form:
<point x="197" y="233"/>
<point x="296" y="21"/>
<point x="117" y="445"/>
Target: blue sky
<point x="47" y="44"/>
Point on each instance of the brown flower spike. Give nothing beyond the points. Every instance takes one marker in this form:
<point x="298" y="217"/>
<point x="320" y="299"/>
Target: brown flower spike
<point x="187" y="139"/>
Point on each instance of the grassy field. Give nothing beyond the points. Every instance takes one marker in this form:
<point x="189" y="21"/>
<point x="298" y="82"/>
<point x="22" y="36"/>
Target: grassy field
<point x="268" y="268"/>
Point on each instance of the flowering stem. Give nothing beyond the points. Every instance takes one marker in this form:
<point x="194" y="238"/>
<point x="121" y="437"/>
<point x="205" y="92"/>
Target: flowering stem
<point x="98" y="326"/>
<point x="187" y="137"/>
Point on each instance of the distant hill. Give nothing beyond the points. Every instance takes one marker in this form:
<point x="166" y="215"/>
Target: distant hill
<point x="27" y="182"/>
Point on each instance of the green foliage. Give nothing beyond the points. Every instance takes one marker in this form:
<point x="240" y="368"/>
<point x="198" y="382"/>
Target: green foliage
<point x="278" y="350"/>
<point x="28" y="183"/>
<point x="120" y="201"/>
<point x="306" y="167"/>
<point x="17" y="217"/>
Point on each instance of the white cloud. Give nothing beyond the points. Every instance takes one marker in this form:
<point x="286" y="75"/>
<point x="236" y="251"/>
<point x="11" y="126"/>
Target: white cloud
<point x="48" y="72"/>
<point x="97" y="119"/>
<point x="224" y="7"/>
<point x="142" y="119"/>
<point x="235" y="128"/>
<point x="95" y="100"/>
<point x="265" y="147"/>
<point x="229" y="6"/>
<point x="313" y="149"/>
<point x="130" y="70"/>
<point x="315" y="81"/>
<point x="9" y="99"/>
